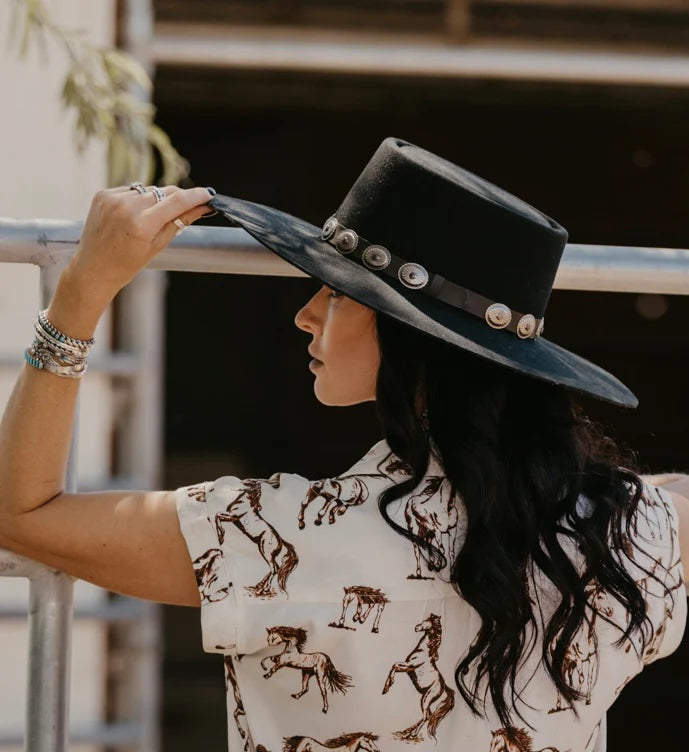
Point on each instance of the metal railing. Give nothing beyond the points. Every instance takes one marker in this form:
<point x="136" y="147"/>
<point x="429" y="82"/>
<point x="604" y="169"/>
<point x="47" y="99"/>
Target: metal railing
<point x="49" y="244"/>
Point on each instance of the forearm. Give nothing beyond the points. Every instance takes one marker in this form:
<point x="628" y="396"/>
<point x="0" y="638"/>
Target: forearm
<point x="36" y="427"/>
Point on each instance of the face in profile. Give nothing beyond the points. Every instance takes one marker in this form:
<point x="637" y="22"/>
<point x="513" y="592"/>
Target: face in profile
<point x="344" y="347"/>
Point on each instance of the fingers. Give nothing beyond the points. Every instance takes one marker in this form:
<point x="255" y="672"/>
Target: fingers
<point x="153" y="216"/>
<point x="170" y="230"/>
<point x="149" y="198"/>
<point x="177" y="204"/>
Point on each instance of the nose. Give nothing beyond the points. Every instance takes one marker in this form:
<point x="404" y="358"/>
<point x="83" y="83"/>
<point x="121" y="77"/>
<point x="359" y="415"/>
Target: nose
<point x="307" y="318"/>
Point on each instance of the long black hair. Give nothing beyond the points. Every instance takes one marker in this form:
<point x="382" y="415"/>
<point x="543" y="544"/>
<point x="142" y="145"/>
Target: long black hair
<point x="520" y="453"/>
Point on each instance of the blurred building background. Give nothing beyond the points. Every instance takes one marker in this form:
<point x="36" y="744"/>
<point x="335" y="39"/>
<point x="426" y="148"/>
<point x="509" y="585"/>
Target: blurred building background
<point x="580" y="107"/>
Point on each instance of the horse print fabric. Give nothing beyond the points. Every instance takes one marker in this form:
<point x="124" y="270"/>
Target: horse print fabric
<point x="238" y="713"/>
<point x="209" y="577"/>
<point x="357" y="741"/>
<point x="437" y="699"/>
<point x="366" y="599"/>
<point x="513" y="739"/>
<point x="311" y="664"/>
<point x="338" y="635"/>
<point x="244" y="511"/>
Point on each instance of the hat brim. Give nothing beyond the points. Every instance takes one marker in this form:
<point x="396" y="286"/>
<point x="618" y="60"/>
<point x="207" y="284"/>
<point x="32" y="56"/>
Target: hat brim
<point x="300" y="243"/>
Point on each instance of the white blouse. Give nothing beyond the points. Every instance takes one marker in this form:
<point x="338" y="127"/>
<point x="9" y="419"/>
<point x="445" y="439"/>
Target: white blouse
<point x="337" y="636"/>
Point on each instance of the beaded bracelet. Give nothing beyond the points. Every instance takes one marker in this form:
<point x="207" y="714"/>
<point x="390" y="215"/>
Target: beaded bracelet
<point x="41" y="357"/>
<point x="52" y="331"/>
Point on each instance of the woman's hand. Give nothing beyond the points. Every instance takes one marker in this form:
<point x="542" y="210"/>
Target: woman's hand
<point x="127" y="541"/>
<point x="124" y="230"/>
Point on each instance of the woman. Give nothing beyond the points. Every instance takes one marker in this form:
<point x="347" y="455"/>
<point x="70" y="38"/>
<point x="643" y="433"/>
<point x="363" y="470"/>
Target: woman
<point x="491" y="548"/>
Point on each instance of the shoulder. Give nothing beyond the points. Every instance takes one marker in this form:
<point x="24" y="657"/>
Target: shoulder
<point x="377" y="468"/>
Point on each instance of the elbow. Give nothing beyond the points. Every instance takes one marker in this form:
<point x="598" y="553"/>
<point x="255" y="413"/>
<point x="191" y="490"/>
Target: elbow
<point x="17" y="525"/>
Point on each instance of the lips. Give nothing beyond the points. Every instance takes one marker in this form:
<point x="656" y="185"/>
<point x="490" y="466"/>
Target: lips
<point x="315" y="360"/>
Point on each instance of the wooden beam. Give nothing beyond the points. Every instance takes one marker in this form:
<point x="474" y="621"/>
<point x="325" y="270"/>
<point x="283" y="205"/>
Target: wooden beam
<point x="340" y="53"/>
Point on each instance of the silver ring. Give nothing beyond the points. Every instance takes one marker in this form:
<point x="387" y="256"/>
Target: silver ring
<point x="180" y="225"/>
<point x="137" y="186"/>
<point x="158" y="192"/>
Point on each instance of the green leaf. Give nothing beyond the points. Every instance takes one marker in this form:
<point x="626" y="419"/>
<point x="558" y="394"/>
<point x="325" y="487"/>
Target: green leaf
<point x="125" y="69"/>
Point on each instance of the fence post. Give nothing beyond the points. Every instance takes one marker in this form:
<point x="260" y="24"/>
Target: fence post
<point x="50" y="623"/>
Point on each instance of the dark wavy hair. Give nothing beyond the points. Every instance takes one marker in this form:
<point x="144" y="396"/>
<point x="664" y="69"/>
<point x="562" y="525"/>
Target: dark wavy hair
<point x="520" y="453"/>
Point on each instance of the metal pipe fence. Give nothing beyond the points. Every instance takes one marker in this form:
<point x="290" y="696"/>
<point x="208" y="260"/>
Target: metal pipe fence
<point x="49" y="244"/>
<point x="227" y="250"/>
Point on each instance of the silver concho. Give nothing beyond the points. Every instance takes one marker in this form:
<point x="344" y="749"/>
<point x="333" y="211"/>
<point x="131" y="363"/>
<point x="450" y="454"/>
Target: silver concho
<point x="526" y="326"/>
<point x="329" y="228"/>
<point x="376" y="257"/>
<point x="498" y="315"/>
<point x="413" y="276"/>
<point x="347" y="241"/>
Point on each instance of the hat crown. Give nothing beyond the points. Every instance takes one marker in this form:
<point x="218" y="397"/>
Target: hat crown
<point x="432" y="212"/>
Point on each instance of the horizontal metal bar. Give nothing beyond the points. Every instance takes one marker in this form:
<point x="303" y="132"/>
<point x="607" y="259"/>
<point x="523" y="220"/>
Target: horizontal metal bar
<point x="365" y="53"/>
<point x="109" y="611"/>
<point x="14" y="565"/>
<point x="227" y="250"/>
<point x="199" y="249"/>
<point x="107" y="735"/>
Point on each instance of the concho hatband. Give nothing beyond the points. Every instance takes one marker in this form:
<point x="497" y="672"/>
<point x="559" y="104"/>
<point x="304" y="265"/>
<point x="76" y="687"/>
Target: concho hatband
<point x="377" y="258"/>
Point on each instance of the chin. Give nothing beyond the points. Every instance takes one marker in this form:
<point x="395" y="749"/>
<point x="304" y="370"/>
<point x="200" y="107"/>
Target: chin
<point x="330" y="399"/>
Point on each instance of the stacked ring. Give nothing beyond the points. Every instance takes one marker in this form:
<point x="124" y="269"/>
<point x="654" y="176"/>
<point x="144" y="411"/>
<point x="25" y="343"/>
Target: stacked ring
<point x="159" y="193"/>
<point x="137" y="186"/>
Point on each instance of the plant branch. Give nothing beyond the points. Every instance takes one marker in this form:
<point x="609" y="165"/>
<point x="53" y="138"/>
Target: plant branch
<point x="101" y="87"/>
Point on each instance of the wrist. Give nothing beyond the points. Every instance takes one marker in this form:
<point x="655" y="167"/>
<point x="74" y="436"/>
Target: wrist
<point x="76" y="306"/>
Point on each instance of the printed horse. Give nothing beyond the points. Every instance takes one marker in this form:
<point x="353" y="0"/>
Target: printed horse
<point x="391" y="465"/>
<point x="318" y="664"/>
<point x="338" y="495"/>
<point x="512" y="739"/>
<point x="207" y="571"/>
<point x="366" y="598"/>
<point x="437" y="699"/>
<point x="239" y="712"/>
<point x="245" y="513"/>
<point x="346" y="491"/>
<point x="581" y="657"/>
<point x="431" y="514"/>
<point x="358" y="741"/>
<point x="198" y="492"/>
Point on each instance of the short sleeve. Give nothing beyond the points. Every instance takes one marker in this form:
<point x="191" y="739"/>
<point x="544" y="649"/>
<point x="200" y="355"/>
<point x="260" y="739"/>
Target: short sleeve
<point x="239" y="535"/>
<point x="652" y="556"/>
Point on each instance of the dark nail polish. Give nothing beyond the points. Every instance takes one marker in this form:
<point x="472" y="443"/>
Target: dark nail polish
<point x="212" y="191"/>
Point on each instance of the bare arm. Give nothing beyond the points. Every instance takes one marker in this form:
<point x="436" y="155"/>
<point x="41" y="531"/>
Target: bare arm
<point x="129" y="542"/>
<point x="678" y="487"/>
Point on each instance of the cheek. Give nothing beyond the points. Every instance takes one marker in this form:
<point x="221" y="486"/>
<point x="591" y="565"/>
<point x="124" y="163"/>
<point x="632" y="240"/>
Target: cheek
<point x="355" y="356"/>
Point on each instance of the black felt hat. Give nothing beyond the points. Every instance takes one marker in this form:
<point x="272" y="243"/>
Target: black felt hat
<point x="444" y="251"/>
